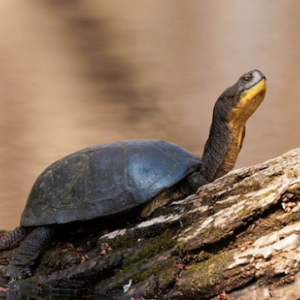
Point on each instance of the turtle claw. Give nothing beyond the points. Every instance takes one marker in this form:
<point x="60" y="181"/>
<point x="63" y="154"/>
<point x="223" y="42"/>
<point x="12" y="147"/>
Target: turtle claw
<point x="14" y="272"/>
<point x="28" y="271"/>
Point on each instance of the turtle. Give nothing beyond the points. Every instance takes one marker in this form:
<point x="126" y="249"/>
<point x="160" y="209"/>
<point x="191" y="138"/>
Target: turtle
<point x="129" y="178"/>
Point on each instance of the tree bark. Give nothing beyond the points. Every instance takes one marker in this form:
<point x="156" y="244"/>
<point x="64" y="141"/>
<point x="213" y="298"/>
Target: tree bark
<point x="238" y="237"/>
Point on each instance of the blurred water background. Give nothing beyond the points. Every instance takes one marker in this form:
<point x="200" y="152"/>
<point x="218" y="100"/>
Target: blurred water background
<point x="78" y="73"/>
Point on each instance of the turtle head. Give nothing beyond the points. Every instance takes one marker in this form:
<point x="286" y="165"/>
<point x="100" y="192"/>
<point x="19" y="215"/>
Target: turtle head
<point x="231" y="112"/>
<point x="238" y="102"/>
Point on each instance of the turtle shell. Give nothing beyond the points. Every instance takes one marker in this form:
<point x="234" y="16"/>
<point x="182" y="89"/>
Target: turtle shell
<point x="105" y="180"/>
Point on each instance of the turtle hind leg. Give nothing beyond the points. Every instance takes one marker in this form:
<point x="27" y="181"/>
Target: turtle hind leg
<point x="30" y="249"/>
<point x="13" y="239"/>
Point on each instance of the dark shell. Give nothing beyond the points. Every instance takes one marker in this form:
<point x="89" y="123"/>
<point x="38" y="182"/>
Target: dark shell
<point x="104" y="180"/>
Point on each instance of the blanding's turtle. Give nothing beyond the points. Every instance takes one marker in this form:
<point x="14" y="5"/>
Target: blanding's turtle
<point x="132" y="177"/>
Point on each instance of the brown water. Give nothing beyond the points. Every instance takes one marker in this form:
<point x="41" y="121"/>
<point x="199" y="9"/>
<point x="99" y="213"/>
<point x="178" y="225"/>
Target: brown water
<point x="78" y="73"/>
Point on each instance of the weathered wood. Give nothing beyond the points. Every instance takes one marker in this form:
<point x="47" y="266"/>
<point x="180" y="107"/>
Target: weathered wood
<point x="240" y="233"/>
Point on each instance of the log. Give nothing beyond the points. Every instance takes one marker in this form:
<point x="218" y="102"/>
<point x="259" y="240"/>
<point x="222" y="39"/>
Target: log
<point x="236" y="238"/>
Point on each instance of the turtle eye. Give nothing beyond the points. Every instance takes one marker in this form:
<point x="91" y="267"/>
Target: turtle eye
<point x="247" y="77"/>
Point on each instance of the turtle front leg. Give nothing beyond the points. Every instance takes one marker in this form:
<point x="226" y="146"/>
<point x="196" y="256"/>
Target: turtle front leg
<point x="194" y="181"/>
<point x="30" y="249"/>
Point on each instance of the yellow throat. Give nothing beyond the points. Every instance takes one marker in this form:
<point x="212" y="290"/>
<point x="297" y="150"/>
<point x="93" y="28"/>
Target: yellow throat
<point x="248" y="103"/>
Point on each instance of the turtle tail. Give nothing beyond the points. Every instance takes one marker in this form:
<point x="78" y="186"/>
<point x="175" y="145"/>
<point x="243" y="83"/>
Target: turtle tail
<point x="13" y="239"/>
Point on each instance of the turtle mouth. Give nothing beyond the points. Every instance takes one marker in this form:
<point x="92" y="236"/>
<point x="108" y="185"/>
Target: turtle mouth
<point x="248" y="102"/>
<point x="253" y="91"/>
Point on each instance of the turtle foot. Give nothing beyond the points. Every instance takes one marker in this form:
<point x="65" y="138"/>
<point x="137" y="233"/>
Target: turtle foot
<point x="14" y="272"/>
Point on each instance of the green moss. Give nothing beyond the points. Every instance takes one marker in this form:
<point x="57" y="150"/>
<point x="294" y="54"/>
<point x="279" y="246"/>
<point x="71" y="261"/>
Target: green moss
<point x="165" y="272"/>
<point x="132" y="237"/>
<point x="121" y="241"/>
<point x="153" y="247"/>
<point x="264" y="226"/>
<point x="241" y="192"/>
<point x="209" y="235"/>
<point x="141" y="263"/>
<point x="222" y="205"/>
<point x="210" y="271"/>
<point x="213" y="233"/>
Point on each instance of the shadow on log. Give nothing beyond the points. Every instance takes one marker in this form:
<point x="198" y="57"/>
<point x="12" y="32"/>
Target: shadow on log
<point x="237" y="238"/>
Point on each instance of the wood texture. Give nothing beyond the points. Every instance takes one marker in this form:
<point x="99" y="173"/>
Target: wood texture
<point x="239" y="234"/>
